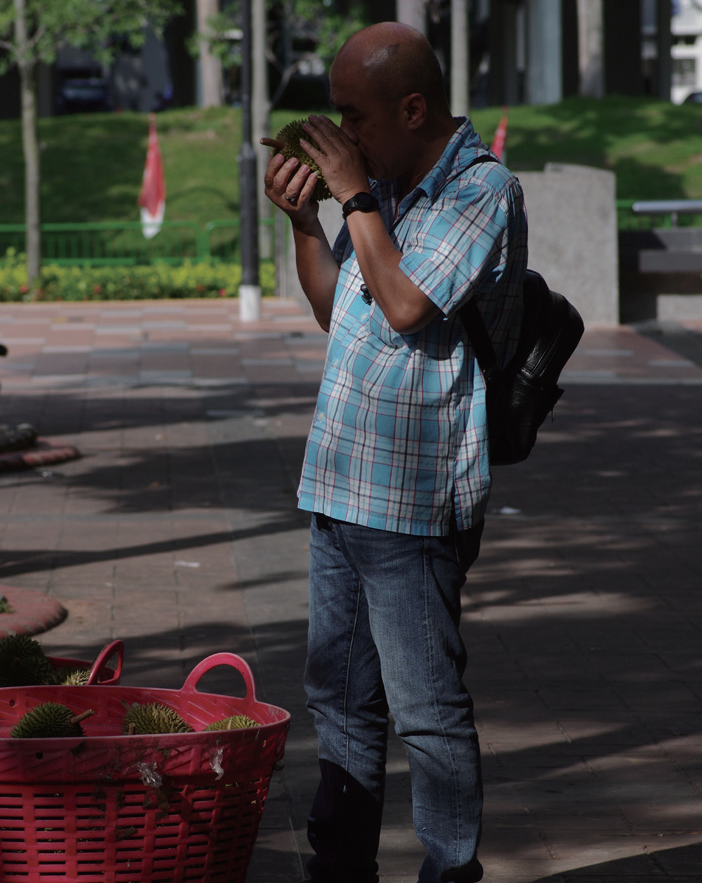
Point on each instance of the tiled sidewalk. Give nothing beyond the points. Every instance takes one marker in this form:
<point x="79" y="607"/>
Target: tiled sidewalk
<point x="177" y="531"/>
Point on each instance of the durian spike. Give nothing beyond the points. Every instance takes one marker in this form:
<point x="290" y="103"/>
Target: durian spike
<point x="290" y="136"/>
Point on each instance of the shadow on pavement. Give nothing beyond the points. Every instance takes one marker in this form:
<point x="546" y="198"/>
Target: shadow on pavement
<point x="682" y="865"/>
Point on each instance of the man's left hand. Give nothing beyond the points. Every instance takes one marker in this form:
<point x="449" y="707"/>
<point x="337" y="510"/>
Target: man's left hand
<point x="341" y="162"/>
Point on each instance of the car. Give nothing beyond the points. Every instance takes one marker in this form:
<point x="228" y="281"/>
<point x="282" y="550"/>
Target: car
<point x="693" y="98"/>
<point x="83" y="95"/>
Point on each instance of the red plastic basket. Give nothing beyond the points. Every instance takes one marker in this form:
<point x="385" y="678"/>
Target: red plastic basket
<point x="100" y="673"/>
<point x="107" y="808"/>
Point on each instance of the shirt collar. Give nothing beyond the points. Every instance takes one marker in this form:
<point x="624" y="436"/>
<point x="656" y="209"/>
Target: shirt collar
<point x="460" y="151"/>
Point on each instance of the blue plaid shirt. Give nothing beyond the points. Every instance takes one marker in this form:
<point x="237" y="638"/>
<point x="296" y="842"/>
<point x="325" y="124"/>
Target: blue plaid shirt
<point x="399" y="437"/>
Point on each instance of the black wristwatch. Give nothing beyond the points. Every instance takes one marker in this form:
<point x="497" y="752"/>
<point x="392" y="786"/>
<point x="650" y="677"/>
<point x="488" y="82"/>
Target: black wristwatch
<point x="361" y="202"/>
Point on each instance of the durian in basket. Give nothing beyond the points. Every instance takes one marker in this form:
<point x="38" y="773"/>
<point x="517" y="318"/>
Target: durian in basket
<point x="153" y="717"/>
<point x="233" y="722"/>
<point x="49" y="720"/>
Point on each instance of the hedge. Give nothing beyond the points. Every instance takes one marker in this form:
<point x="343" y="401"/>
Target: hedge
<point x="148" y="282"/>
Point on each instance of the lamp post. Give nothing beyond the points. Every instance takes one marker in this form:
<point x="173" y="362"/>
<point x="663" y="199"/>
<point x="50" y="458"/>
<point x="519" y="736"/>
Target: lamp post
<point x="249" y="290"/>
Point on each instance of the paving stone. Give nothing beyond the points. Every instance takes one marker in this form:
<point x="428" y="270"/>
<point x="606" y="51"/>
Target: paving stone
<point x="177" y="532"/>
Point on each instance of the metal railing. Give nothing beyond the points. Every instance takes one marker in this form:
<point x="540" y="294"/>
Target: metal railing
<point x="123" y="244"/>
<point x="633" y="214"/>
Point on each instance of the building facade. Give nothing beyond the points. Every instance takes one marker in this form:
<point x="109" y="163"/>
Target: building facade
<point x="686" y="49"/>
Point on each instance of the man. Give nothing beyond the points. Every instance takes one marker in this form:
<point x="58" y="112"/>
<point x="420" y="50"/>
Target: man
<point x="396" y="471"/>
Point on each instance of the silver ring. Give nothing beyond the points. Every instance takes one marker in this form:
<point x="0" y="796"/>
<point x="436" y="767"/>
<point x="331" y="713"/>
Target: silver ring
<point x="291" y="199"/>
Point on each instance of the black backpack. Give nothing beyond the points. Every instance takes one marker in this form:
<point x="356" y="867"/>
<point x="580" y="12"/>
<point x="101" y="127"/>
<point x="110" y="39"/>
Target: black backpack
<point x="521" y="395"/>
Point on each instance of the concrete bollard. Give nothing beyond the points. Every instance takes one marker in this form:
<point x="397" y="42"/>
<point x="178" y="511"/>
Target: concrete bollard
<point x="249" y="303"/>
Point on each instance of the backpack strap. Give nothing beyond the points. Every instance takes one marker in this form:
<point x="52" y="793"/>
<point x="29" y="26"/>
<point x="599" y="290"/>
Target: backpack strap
<point x="479" y="339"/>
<point x="473" y="321"/>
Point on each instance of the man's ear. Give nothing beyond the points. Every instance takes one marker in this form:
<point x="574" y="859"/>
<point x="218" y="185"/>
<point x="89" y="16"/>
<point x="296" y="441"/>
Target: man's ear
<point x="414" y="109"/>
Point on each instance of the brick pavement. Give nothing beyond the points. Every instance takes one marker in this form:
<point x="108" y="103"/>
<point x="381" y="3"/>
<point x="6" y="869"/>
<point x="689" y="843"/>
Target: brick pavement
<point x="177" y="531"/>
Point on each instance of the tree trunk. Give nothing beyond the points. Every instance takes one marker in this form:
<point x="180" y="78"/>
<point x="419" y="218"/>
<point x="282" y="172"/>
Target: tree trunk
<point x="30" y="145"/>
<point x="210" y="66"/>
<point x="260" y="109"/>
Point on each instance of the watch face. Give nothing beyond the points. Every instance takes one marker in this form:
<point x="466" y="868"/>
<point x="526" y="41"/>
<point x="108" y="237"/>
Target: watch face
<point x="364" y="202"/>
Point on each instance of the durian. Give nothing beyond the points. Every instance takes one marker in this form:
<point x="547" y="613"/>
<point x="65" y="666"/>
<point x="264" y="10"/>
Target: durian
<point x="23" y="662"/>
<point x="291" y="135"/>
<point x="235" y="722"/>
<point x="49" y="720"/>
<point x="153" y="718"/>
<point x="5" y="606"/>
<point x="71" y="677"/>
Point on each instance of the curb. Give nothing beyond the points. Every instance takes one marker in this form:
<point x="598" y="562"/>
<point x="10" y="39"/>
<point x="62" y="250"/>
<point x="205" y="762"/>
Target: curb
<point x="32" y="612"/>
<point x="42" y="454"/>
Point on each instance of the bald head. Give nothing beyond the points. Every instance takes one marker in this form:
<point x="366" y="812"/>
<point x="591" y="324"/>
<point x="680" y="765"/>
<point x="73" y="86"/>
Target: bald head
<point x="387" y="85"/>
<point x="398" y="60"/>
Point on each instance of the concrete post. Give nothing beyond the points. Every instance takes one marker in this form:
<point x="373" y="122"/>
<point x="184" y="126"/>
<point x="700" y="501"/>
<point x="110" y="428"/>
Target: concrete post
<point x="591" y="48"/>
<point x="460" y="58"/>
<point x="412" y="12"/>
<point x="545" y="62"/>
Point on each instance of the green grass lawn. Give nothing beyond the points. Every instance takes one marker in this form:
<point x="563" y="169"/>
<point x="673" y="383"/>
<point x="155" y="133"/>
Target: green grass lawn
<point x="92" y="165"/>
<point x="653" y="147"/>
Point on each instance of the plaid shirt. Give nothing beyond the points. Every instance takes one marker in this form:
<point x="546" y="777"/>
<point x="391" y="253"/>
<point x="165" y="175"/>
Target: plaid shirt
<point x="399" y="438"/>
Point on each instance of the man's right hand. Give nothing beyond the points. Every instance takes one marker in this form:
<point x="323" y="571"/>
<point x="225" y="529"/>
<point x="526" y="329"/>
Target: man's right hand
<point x="289" y="185"/>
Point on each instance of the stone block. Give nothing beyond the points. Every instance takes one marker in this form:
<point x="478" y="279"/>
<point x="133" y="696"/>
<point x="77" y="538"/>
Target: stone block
<point x="573" y="236"/>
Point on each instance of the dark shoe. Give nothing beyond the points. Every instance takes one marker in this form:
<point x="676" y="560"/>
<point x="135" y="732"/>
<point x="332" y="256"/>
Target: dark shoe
<point x="16" y="437"/>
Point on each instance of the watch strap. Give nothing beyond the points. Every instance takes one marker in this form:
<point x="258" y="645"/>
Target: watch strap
<point x="361" y="202"/>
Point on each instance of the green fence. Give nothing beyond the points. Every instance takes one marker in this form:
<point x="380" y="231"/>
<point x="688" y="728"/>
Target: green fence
<point x="124" y="244"/>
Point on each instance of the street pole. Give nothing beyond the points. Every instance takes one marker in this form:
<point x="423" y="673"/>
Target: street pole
<point x="460" y="59"/>
<point x="249" y="290"/>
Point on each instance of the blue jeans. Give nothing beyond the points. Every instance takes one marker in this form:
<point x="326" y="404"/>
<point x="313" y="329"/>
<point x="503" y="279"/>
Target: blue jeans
<point x="383" y="637"/>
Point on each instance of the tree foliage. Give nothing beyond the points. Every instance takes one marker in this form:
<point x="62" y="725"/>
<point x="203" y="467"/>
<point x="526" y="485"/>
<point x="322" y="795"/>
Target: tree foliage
<point x="325" y="23"/>
<point x="32" y="31"/>
<point x="329" y="26"/>
<point x="98" y="26"/>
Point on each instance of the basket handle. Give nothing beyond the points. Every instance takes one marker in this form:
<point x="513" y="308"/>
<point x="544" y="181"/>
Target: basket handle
<point x="107" y="652"/>
<point x="190" y="685"/>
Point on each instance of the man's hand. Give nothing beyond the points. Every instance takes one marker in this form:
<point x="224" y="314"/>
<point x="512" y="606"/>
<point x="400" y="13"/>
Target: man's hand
<point x="289" y="184"/>
<point x="341" y="162"/>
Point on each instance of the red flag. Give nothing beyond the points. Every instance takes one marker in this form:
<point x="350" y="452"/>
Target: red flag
<point x="152" y="197"/>
<point x="498" y="142"/>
